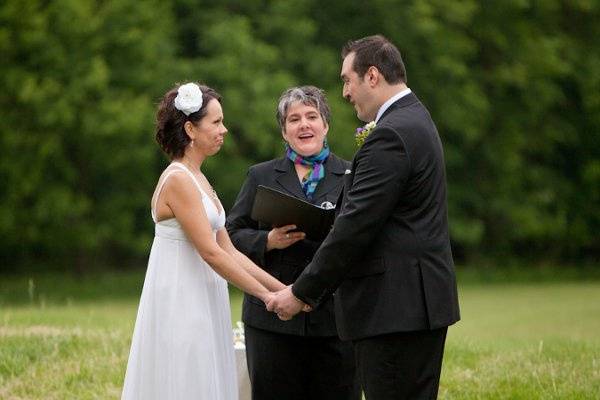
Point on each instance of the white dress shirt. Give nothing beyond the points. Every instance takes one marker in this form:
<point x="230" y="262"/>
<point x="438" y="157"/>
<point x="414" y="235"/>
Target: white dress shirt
<point x="390" y="101"/>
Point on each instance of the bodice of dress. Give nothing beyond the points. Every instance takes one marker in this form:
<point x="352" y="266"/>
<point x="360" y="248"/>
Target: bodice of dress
<point x="170" y="228"/>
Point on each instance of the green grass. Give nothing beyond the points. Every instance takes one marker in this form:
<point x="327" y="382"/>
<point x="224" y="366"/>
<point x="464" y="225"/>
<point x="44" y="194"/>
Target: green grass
<point x="61" y="338"/>
<point x="525" y="341"/>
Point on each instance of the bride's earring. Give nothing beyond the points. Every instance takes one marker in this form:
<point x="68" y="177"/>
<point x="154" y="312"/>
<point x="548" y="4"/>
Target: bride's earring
<point x="192" y="143"/>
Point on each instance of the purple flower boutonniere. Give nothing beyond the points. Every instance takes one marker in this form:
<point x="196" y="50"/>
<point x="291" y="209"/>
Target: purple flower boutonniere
<point x="362" y="133"/>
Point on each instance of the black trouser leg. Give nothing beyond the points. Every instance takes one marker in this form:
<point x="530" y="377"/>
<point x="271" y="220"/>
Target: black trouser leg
<point x="289" y="367"/>
<point x="403" y="365"/>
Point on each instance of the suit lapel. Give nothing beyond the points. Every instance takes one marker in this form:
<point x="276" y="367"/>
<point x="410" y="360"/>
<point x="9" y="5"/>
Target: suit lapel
<point x="288" y="179"/>
<point x="347" y="182"/>
<point x="348" y="179"/>
<point x="333" y="169"/>
<point x="402" y="102"/>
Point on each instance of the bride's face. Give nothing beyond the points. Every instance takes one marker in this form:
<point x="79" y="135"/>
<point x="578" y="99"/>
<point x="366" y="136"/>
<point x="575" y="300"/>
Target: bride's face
<point x="305" y="129"/>
<point x="210" y="131"/>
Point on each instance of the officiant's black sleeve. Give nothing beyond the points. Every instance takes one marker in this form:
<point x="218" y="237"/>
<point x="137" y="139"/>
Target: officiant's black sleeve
<point x="380" y="171"/>
<point x="244" y="231"/>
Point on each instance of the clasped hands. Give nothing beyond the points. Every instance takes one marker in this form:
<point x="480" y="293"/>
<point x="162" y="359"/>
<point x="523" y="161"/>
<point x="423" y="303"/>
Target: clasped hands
<point x="286" y="305"/>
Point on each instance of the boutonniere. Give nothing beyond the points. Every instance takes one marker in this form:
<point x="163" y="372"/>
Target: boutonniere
<point x="362" y="133"/>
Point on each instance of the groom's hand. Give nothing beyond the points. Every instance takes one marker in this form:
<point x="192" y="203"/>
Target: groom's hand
<point x="285" y="304"/>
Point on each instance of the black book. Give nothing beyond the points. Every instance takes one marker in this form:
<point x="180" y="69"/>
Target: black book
<point x="277" y="209"/>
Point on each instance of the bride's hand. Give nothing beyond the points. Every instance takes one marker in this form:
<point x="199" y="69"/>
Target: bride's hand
<point x="268" y="297"/>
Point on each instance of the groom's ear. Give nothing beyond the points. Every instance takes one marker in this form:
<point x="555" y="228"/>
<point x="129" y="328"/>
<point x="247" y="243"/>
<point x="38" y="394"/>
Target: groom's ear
<point x="373" y="76"/>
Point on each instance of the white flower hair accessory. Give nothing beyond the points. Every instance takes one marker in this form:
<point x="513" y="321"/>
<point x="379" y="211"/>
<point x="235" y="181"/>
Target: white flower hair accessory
<point x="189" y="98"/>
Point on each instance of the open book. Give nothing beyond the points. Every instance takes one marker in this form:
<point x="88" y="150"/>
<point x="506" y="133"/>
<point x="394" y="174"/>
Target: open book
<point x="276" y="209"/>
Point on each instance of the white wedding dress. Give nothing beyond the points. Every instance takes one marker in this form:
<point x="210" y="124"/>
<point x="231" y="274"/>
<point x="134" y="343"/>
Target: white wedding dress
<point x="182" y="346"/>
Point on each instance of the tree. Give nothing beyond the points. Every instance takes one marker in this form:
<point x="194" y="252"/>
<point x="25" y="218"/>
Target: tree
<point x="80" y="80"/>
<point x="513" y="86"/>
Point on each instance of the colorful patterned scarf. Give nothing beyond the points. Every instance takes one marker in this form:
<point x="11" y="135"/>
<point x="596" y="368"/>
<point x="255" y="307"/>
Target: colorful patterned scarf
<point x="316" y="171"/>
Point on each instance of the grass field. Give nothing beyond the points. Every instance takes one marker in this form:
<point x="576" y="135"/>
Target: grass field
<point x="62" y="338"/>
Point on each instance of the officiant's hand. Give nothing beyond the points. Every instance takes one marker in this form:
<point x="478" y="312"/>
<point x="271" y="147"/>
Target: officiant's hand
<point x="285" y="304"/>
<point x="283" y="237"/>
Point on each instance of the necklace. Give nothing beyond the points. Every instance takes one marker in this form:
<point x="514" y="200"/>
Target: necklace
<point x="213" y="192"/>
<point x="195" y="170"/>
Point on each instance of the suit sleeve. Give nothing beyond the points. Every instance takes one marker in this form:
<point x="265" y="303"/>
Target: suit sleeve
<point x="242" y="229"/>
<point x="381" y="169"/>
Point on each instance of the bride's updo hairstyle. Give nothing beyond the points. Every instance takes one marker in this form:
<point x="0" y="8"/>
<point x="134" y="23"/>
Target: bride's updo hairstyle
<point x="170" y="133"/>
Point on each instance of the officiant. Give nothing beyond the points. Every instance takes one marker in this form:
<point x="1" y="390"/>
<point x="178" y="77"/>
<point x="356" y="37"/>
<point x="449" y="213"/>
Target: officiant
<point x="302" y="358"/>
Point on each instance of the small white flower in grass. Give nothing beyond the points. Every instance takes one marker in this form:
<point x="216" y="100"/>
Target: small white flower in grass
<point x="239" y="338"/>
<point x="189" y="98"/>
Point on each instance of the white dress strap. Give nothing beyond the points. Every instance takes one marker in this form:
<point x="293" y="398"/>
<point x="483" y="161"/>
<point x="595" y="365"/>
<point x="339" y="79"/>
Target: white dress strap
<point x="158" y="192"/>
<point x="178" y="164"/>
<point x="202" y="191"/>
<point x="179" y="167"/>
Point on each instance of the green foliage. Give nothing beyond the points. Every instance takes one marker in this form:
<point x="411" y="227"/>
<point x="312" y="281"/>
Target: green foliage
<point x="77" y="162"/>
<point x="514" y="88"/>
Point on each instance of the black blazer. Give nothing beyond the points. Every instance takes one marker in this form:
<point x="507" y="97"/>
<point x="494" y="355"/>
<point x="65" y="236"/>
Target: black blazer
<point x="388" y="254"/>
<point x="250" y="237"/>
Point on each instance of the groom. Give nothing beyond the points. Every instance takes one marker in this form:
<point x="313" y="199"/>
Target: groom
<point x="388" y="254"/>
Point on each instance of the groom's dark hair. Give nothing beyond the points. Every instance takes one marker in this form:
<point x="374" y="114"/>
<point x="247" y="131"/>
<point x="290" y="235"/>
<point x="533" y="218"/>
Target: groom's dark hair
<point x="376" y="51"/>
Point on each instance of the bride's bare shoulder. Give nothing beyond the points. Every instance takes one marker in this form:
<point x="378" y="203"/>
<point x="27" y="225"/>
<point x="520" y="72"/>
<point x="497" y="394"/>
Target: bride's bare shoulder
<point x="175" y="179"/>
<point x="169" y="178"/>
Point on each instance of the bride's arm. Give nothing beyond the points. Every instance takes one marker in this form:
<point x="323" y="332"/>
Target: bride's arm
<point x="257" y="272"/>
<point x="182" y="196"/>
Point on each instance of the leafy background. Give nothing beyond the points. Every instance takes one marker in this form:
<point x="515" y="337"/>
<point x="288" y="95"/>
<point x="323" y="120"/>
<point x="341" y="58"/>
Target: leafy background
<point x="513" y="85"/>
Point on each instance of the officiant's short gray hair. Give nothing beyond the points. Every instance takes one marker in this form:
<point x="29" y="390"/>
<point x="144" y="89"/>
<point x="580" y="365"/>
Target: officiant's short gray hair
<point x="307" y="95"/>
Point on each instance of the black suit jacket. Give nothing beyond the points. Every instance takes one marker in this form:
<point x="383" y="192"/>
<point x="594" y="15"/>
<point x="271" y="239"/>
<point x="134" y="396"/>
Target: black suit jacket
<point x="388" y="254"/>
<point x="250" y="237"/>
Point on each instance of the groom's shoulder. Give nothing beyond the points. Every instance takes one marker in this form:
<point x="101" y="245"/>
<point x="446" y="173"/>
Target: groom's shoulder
<point x="413" y="128"/>
<point x="411" y="116"/>
<point x="400" y="115"/>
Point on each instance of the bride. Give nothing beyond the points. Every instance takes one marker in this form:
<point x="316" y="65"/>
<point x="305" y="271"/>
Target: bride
<point x="182" y="344"/>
